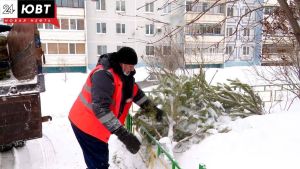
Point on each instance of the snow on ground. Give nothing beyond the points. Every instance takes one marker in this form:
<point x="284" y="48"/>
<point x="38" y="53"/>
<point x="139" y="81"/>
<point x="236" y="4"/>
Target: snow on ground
<point x="260" y="142"/>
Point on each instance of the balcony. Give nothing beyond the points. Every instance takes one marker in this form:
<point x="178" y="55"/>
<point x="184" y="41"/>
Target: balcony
<point x="206" y="58"/>
<point x="206" y="18"/>
<point x="204" y="38"/>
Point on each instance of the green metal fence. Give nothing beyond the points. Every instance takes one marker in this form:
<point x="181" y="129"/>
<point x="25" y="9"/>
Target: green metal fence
<point x="160" y="149"/>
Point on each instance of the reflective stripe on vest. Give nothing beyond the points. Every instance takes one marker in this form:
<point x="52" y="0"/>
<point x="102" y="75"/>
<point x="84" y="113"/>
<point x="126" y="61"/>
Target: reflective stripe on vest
<point x="82" y="115"/>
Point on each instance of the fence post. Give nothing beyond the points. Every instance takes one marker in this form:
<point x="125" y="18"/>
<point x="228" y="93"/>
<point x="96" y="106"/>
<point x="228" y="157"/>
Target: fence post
<point x="202" y="166"/>
<point x="129" y="123"/>
<point x="158" y="150"/>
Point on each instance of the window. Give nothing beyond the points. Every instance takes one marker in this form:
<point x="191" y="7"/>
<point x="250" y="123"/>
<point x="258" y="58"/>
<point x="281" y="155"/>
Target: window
<point x="212" y="50"/>
<point x="120" y="6"/>
<point x="101" y="27"/>
<point x="81" y="4"/>
<point x="101" y="49"/>
<point x="221" y="8"/>
<point x="217" y="30"/>
<point x="149" y="29"/>
<point x="246" y="50"/>
<point x="268" y="10"/>
<point x="229" y="50"/>
<point x="247" y="12"/>
<point x="167" y="8"/>
<point x="100" y="4"/>
<point x="166" y="50"/>
<point x="229" y="11"/>
<point x="52" y="48"/>
<point x="73" y="24"/>
<point x="203" y="29"/>
<point x="149" y="50"/>
<point x="63" y="48"/>
<point x="120" y="28"/>
<point x="246" y="32"/>
<point x="80" y="24"/>
<point x="204" y="6"/>
<point x="80" y="48"/>
<point x="64" y="24"/>
<point x="189" y="5"/>
<point x="48" y="26"/>
<point x="70" y="3"/>
<point x="40" y="26"/>
<point x="75" y="3"/>
<point x="229" y="31"/>
<point x="149" y="7"/>
<point x="72" y="48"/>
<point x="64" y="3"/>
<point x="58" y="2"/>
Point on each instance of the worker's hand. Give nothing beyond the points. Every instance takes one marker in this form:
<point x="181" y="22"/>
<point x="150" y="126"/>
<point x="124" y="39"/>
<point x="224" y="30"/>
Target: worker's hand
<point x="131" y="142"/>
<point x="159" y="114"/>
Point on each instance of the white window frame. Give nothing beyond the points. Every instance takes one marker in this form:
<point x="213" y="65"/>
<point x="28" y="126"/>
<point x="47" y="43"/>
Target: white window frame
<point x="69" y="48"/>
<point x="122" y="28"/>
<point x="246" y="51"/>
<point x="148" y="29"/>
<point x="229" y="50"/>
<point x="149" y="7"/>
<point x="101" y="4"/>
<point x="40" y="26"/>
<point x="246" y="10"/>
<point x="229" y="31"/>
<point x="246" y="32"/>
<point x="212" y="50"/>
<point x="119" y="5"/>
<point x="70" y="27"/>
<point x="101" y="29"/>
<point x="229" y="10"/>
<point x="103" y="49"/>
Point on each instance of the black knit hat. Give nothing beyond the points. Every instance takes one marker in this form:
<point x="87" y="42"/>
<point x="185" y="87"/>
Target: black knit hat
<point x="127" y="55"/>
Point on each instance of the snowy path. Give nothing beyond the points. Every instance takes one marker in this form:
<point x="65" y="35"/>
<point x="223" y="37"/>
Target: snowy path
<point x="36" y="154"/>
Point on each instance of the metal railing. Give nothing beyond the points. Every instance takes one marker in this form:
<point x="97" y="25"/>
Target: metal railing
<point x="160" y="149"/>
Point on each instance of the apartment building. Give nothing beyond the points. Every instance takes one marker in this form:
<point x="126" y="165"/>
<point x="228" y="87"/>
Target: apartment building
<point x="204" y="36"/>
<point x="90" y="28"/>
<point x="278" y="43"/>
<point x="65" y="47"/>
<point x="226" y="35"/>
<point x="243" y="33"/>
<point x="117" y="23"/>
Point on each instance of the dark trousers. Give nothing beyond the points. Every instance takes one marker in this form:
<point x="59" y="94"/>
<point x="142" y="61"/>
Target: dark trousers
<point x="95" y="151"/>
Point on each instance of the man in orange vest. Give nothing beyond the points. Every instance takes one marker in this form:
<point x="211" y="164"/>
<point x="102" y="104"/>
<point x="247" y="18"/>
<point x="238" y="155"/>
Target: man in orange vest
<point x="102" y="106"/>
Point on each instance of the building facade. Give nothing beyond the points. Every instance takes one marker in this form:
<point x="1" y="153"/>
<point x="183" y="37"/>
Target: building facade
<point x="117" y="23"/>
<point x="228" y="34"/>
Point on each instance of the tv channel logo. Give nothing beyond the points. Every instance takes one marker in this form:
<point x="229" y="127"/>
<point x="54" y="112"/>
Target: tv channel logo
<point x="29" y="11"/>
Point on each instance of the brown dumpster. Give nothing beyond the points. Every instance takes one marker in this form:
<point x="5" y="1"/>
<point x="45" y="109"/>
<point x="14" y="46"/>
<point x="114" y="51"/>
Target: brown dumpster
<point x="20" y="118"/>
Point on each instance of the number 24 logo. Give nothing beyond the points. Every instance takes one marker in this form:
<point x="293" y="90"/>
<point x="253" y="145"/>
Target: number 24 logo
<point x="8" y="9"/>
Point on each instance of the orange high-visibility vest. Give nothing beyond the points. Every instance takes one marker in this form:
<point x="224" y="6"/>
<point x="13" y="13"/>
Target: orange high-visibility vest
<point x="82" y="115"/>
